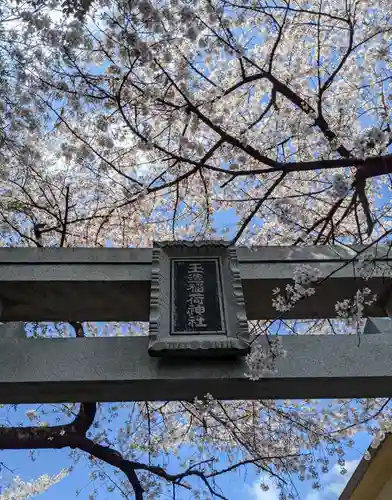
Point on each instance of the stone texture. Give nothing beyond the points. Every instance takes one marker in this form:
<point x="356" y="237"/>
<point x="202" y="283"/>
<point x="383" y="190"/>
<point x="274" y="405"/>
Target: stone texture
<point x="114" y="284"/>
<point x="120" y="369"/>
<point x="166" y="340"/>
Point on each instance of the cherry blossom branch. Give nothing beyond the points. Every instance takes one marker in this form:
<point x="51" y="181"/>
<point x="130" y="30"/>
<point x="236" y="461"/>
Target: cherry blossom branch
<point x="66" y="215"/>
<point x="257" y="208"/>
<point x="263" y="7"/>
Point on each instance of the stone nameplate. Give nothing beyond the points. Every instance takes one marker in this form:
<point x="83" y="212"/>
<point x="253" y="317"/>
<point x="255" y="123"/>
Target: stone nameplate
<point x="196" y="306"/>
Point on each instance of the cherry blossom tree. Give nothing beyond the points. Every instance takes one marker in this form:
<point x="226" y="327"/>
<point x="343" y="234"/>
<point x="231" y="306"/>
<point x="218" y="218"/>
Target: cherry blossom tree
<point x="142" y="121"/>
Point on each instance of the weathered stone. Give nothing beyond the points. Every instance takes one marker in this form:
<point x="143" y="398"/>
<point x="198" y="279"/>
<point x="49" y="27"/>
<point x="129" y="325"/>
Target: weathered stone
<point x="197" y="307"/>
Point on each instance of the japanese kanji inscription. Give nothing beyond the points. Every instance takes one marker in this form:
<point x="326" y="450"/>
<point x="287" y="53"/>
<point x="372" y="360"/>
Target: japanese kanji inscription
<point x="196" y="294"/>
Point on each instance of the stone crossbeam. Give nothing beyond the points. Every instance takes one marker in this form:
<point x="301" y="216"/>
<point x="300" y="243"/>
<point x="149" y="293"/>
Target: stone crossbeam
<point x="120" y="369"/>
<point x="107" y="284"/>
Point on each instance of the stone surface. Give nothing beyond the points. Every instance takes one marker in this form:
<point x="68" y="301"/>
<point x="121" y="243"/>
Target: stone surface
<point x="116" y="284"/>
<point x="197" y="307"/>
<point x="76" y="284"/>
<point x="12" y="331"/>
<point x="378" y="325"/>
<point x="120" y="369"/>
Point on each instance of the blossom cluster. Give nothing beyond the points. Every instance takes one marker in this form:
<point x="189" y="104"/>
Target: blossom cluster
<point x="303" y="276"/>
<point x="261" y="359"/>
<point x="341" y="185"/>
<point x="20" y="489"/>
<point x="352" y="310"/>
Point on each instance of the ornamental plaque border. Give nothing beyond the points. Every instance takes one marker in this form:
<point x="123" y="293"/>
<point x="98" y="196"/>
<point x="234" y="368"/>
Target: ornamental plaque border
<point x="234" y="341"/>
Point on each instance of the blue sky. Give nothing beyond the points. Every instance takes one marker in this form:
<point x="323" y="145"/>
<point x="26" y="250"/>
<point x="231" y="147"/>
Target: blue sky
<point x="243" y="484"/>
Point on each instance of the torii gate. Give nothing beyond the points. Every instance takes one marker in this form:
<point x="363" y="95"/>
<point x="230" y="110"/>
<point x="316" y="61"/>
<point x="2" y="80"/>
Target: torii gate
<point x="70" y="284"/>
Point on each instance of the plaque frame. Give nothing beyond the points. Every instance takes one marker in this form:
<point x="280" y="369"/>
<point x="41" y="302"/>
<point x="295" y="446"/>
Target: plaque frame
<point x="233" y="340"/>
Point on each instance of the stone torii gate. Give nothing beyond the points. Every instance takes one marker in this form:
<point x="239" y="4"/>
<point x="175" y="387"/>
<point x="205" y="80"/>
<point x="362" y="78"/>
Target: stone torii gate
<point x="197" y="299"/>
